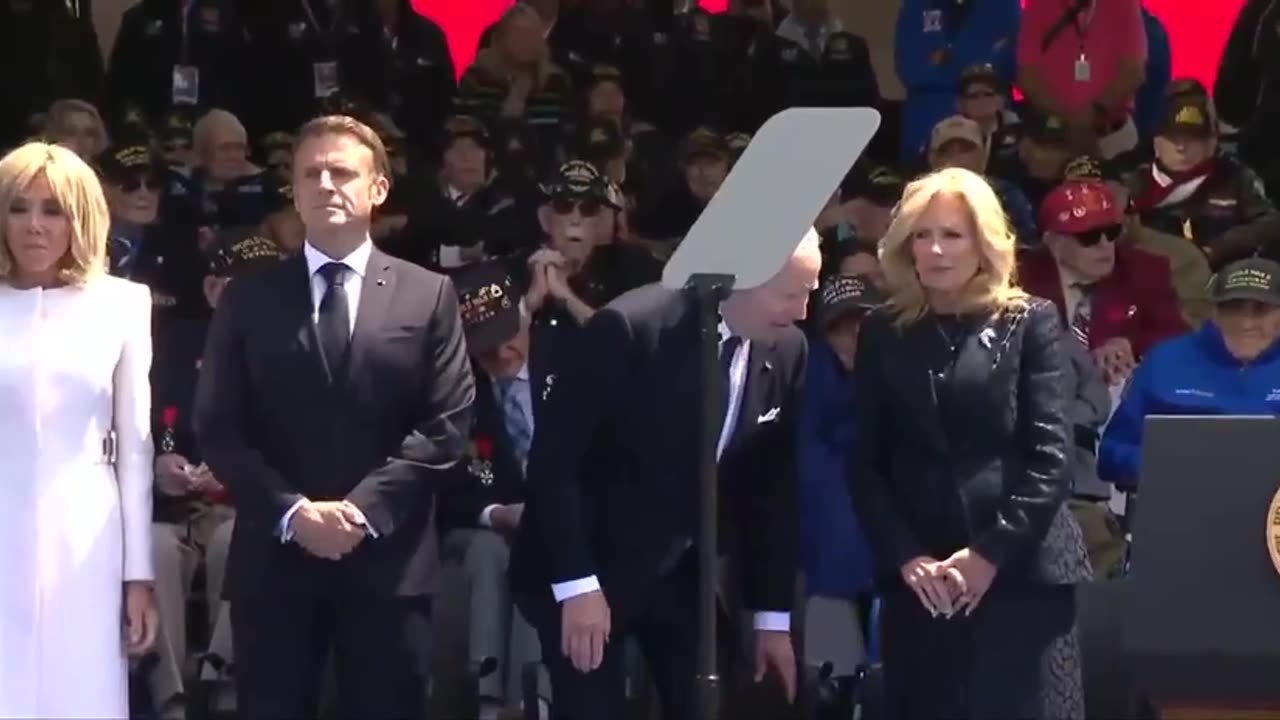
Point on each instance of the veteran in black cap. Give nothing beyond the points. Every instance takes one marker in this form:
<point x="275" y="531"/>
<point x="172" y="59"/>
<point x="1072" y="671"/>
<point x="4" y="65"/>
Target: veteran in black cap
<point x="482" y="502"/>
<point x="581" y="265"/>
<point x="1192" y="191"/>
<point x="469" y="211"/>
<point x="842" y="302"/>
<point x="983" y="96"/>
<point x="704" y="158"/>
<point x="192" y="512"/>
<point x="1043" y="149"/>
<point x="140" y="246"/>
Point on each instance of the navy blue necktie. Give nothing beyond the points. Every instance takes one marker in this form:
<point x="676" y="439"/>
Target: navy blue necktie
<point x="333" y="322"/>
<point x="728" y="349"/>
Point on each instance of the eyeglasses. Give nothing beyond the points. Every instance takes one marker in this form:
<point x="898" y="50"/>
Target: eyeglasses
<point x="1089" y="238"/>
<point x="586" y="208"/>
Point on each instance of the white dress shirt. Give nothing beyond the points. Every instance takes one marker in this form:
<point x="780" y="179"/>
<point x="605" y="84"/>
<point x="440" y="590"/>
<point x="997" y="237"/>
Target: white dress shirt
<point x="358" y="263"/>
<point x="779" y="621"/>
<point x="524" y="396"/>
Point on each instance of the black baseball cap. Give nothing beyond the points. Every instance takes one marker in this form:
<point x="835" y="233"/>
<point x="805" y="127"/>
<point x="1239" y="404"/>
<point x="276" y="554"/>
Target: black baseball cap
<point x="1088" y="167"/>
<point x="1256" y="279"/>
<point x="879" y="184"/>
<point x="705" y="142"/>
<point x="578" y="179"/>
<point x="599" y="140"/>
<point x="130" y="159"/>
<point x="983" y="74"/>
<point x="230" y="257"/>
<point x="1045" y="129"/>
<point x="489" y="305"/>
<point x="843" y="294"/>
<point x="1188" y="116"/>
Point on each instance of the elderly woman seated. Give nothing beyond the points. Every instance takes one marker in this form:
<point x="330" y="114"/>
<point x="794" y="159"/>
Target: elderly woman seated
<point x="1230" y="366"/>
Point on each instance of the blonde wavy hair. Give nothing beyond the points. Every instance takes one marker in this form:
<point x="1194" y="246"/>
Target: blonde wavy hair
<point x="993" y="288"/>
<point x="76" y="188"/>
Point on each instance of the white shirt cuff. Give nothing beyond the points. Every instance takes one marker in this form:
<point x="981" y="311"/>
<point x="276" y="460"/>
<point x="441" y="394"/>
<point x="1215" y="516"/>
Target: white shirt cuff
<point x="573" y="588"/>
<point x="486" y="516"/>
<point x="775" y="621"/>
<point x="364" y="522"/>
<point x="283" y="531"/>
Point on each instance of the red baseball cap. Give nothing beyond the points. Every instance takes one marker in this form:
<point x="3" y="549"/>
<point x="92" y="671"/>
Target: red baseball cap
<point x="1078" y="206"/>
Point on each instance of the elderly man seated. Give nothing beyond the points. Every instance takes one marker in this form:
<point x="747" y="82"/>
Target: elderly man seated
<point x="1194" y="192"/>
<point x="1116" y="300"/>
<point x="480" y="511"/>
<point x="1231" y="366"/>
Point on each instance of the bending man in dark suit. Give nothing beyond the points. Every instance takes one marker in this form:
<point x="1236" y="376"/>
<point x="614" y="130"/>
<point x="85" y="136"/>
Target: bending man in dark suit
<point x="606" y="545"/>
<point x="335" y="391"/>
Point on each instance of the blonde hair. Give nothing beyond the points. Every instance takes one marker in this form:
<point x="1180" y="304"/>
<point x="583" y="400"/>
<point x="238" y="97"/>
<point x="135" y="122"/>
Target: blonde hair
<point x="55" y="119"/>
<point x="75" y="187"/>
<point x="992" y="288"/>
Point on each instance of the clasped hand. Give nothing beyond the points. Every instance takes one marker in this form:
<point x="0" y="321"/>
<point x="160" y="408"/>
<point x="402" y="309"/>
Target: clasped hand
<point x="951" y="586"/>
<point x="328" y="530"/>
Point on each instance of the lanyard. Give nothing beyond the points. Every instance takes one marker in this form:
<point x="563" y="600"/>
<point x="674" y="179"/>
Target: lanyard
<point x="184" y="21"/>
<point x="325" y="34"/>
<point x="1083" y="19"/>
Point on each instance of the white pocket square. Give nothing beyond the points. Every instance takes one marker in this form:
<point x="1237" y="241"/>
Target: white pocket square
<point x="768" y="417"/>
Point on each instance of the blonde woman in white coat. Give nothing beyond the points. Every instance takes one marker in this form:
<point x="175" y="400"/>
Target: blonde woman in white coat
<point x="75" y="448"/>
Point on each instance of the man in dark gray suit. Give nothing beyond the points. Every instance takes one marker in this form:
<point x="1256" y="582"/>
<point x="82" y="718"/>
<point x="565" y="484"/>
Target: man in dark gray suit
<point x="335" y="391"/>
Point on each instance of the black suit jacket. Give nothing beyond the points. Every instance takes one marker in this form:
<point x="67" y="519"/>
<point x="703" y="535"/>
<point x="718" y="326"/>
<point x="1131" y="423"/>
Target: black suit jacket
<point x="966" y="449"/>
<point x="273" y="428"/>
<point x="490" y="473"/>
<point x="613" y="473"/>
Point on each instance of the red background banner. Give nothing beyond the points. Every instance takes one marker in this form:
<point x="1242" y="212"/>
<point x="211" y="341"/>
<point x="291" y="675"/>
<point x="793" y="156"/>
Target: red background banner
<point x="1197" y="29"/>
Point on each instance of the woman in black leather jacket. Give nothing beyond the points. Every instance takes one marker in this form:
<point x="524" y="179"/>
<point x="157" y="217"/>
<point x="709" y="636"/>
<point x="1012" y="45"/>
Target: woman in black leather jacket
<point x="959" y="470"/>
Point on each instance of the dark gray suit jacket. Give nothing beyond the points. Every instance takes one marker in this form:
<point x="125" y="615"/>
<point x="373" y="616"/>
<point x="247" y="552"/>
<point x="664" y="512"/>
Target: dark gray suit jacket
<point x="274" y="427"/>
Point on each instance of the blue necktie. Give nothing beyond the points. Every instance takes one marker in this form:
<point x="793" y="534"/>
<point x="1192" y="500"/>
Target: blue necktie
<point x="513" y="413"/>
<point x="728" y="349"/>
<point x="333" y="323"/>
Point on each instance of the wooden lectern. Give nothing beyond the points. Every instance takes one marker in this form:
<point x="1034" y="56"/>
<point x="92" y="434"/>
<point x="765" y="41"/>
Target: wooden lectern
<point x="1202" y="615"/>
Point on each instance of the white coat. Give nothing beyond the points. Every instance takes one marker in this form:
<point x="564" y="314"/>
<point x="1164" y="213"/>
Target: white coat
<point x="75" y="509"/>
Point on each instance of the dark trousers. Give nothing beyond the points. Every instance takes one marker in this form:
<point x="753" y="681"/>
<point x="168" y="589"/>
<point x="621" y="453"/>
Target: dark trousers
<point x="991" y="664"/>
<point x="283" y="642"/>
<point x="666" y="631"/>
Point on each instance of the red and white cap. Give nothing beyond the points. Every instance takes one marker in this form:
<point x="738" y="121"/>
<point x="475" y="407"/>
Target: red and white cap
<point x="1078" y="206"/>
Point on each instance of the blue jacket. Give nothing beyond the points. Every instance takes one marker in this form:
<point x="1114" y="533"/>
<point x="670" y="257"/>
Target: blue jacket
<point x="1191" y="374"/>
<point x="1149" y="105"/>
<point x="988" y="34"/>
<point x="1018" y="208"/>
<point x="834" y="554"/>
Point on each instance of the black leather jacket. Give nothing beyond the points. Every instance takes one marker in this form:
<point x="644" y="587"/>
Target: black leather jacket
<point x="966" y="447"/>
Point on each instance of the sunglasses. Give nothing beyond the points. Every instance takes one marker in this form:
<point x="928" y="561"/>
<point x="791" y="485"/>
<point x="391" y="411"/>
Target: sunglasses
<point x="586" y="208"/>
<point x="1089" y="238"/>
<point x="138" y="181"/>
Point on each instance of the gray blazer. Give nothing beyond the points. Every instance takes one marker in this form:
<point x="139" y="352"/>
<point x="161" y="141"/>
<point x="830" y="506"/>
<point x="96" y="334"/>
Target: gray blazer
<point x="1088" y="407"/>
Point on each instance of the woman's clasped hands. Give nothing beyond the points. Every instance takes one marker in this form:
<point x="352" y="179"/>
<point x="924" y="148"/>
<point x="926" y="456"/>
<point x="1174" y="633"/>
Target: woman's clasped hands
<point x="952" y="586"/>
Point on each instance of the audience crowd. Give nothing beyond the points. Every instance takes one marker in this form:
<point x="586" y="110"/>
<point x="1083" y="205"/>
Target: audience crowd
<point x="569" y="161"/>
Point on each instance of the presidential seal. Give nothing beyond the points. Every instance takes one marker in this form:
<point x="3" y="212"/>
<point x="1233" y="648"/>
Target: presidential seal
<point x="1273" y="531"/>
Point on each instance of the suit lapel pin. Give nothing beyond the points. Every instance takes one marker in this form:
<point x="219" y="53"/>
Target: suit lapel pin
<point x="546" y="389"/>
<point x="767" y="366"/>
<point x="1133" y="310"/>
<point x="381" y="282"/>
